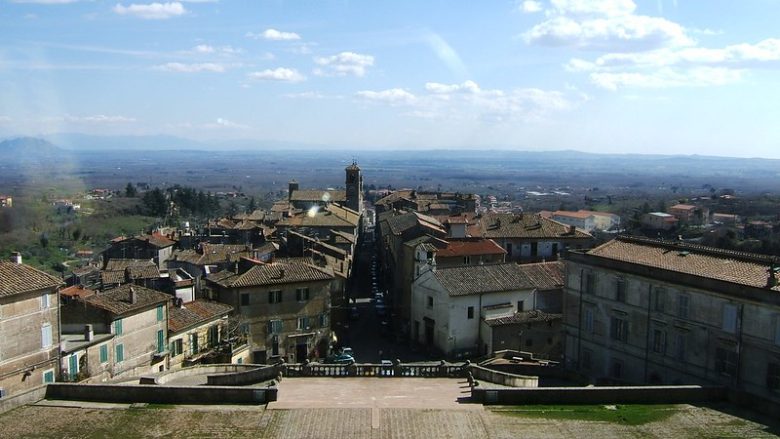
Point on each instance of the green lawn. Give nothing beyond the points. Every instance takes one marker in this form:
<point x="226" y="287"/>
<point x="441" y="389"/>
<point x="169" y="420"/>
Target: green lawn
<point x="634" y="414"/>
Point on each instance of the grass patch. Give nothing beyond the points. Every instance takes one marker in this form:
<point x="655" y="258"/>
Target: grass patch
<point x="632" y="414"/>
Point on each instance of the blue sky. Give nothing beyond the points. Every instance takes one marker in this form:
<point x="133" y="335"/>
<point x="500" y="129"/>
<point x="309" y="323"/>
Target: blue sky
<point x="661" y="76"/>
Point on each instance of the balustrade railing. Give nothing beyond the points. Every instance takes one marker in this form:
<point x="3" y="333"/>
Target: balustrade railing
<point x="439" y="370"/>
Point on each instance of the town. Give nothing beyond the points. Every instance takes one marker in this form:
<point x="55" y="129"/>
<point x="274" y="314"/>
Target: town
<point x="356" y="282"/>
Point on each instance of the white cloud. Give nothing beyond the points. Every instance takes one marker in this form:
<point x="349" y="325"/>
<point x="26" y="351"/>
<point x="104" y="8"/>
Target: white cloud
<point x="274" y="35"/>
<point x="152" y="11"/>
<point x="225" y="123"/>
<point x="279" y="74"/>
<point x="531" y="6"/>
<point x="311" y="95"/>
<point x="666" y="77"/>
<point x="392" y="96"/>
<point x="587" y="8"/>
<point x="344" y="63"/>
<point x="191" y="68"/>
<point x="203" y="48"/>
<point x="468" y="100"/>
<point x="206" y="49"/>
<point x="5" y="119"/>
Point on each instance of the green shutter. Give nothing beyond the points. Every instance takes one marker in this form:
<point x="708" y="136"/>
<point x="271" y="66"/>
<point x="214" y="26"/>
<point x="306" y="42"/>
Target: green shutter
<point x="160" y="314"/>
<point x="160" y="341"/>
<point x="104" y="353"/>
<point x="120" y="353"/>
<point x="118" y="327"/>
<point x="48" y="377"/>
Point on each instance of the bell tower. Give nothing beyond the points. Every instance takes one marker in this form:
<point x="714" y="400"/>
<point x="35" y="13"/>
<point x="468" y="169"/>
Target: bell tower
<point x="354" y="185"/>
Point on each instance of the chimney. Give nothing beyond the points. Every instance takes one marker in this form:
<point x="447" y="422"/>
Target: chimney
<point x="89" y="334"/>
<point x="771" y="281"/>
<point x="16" y="258"/>
<point x="133" y="295"/>
<point x="281" y="272"/>
<point x="572" y="230"/>
<point x="179" y="302"/>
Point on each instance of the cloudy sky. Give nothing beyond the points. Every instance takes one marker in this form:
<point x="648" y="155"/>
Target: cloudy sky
<point x="658" y="76"/>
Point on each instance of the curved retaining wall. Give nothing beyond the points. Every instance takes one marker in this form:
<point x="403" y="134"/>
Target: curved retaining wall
<point x="503" y="378"/>
<point x="256" y="374"/>
<point x="161" y="394"/>
<point x="209" y="369"/>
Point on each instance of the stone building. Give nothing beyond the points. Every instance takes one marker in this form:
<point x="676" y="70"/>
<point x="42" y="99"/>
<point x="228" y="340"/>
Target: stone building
<point x="29" y="327"/>
<point x="639" y="310"/>
<point x="197" y="330"/>
<point x="156" y="247"/>
<point x="129" y="330"/>
<point x="283" y="305"/>
<point x="351" y="197"/>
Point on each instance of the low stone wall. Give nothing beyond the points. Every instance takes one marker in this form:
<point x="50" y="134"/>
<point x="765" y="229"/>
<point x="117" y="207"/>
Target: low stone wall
<point x="256" y="374"/>
<point x="210" y="369"/>
<point x="29" y="397"/>
<point x="161" y="394"/>
<point x="503" y="378"/>
<point x="599" y="395"/>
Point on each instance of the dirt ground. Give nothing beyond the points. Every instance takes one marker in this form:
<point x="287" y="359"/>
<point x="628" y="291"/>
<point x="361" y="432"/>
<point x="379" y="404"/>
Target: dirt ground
<point x="86" y="420"/>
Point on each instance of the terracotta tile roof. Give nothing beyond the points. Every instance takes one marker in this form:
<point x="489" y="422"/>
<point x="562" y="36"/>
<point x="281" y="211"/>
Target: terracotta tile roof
<point x="115" y="264"/>
<point x="400" y="223"/>
<point x="683" y="207"/>
<point x="195" y="313"/>
<point x="156" y="240"/>
<point x="76" y="291"/>
<point x="210" y="254"/>
<point x="470" y="247"/>
<point x="545" y="275"/>
<point x="275" y="273"/>
<point x="508" y="225"/>
<point x="477" y="279"/>
<point x="394" y="196"/>
<point x="318" y="195"/>
<point x="578" y="214"/>
<point x="117" y="301"/>
<point x="21" y="278"/>
<point x="532" y="316"/>
<point x="320" y="219"/>
<point x="112" y="277"/>
<point x="726" y="265"/>
<point x="347" y="237"/>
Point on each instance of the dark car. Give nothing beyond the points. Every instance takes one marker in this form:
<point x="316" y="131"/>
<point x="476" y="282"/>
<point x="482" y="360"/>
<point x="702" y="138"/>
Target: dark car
<point x="340" y="359"/>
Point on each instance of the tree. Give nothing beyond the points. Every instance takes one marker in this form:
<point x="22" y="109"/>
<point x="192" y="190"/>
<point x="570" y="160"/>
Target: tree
<point x="155" y="202"/>
<point x="44" y="240"/>
<point x="252" y="205"/>
<point x="131" y="191"/>
<point x="232" y="209"/>
<point x="76" y="234"/>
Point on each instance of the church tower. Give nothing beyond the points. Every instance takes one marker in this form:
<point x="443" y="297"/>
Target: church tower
<point x="354" y="185"/>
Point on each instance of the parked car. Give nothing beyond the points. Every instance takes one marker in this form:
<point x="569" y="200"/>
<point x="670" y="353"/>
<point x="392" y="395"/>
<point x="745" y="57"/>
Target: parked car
<point x="340" y="359"/>
<point x="387" y="368"/>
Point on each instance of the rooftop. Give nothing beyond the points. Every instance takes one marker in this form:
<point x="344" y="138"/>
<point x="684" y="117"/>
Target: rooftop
<point x="275" y="273"/>
<point x="532" y="316"/>
<point x="740" y="268"/>
<point x="21" y="278"/>
<point x="194" y="313"/>
<point x="470" y="247"/>
<point x="508" y="225"/>
<point x="118" y="300"/>
<point x="318" y="195"/>
<point x="478" y="279"/>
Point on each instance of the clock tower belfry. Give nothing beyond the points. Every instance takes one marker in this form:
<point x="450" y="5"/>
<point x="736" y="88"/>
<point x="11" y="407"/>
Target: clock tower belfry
<point x="354" y="185"/>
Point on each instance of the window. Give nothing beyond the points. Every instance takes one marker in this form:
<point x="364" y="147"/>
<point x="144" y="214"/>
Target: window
<point x="430" y="302"/>
<point x="617" y="369"/>
<point x="777" y="330"/>
<point x="118" y="327"/>
<point x="213" y="335"/>
<point x="160" y="341"/>
<point x="725" y="361"/>
<point x="160" y="313"/>
<point x="585" y="361"/>
<point x="679" y="346"/>
<point x="120" y="353"/>
<point x="46" y="340"/>
<point x="729" y="323"/>
<point x="303" y="323"/>
<point x="323" y="320"/>
<point x="659" y="302"/>
<point x="509" y="249"/>
<point x="245" y="299"/>
<point x="48" y="376"/>
<point x="275" y="326"/>
<point x="620" y="289"/>
<point x="659" y="341"/>
<point x="590" y="283"/>
<point x="194" y="348"/>
<point x="177" y="347"/>
<point x="103" y="353"/>
<point x="619" y="329"/>
<point x="682" y="305"/>
<point x="45" y="302"/>
<point x="520" y="306"/>
<point x="466" y="260"/>
<point x="773" y="377"/>
<point x="470" y="312"/>
<point x="275" y="296"/>
<point x="301" y="294"/>
<point x="588" y="321"/>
